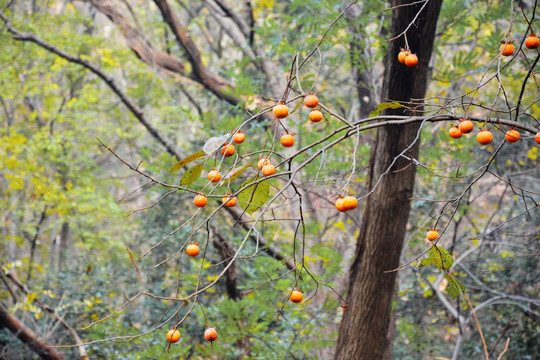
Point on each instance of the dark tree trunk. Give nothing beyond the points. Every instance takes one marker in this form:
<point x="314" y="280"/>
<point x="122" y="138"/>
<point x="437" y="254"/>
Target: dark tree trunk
<point x="365" y="324"/>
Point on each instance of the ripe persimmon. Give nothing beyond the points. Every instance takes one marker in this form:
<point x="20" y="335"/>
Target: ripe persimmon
<point x="532" y="42"/>
<point x="173" y="335"/>
<point x="229" y="201"/>
<point x="537" y="138"/>
<point x="262" y="162"/>
<point x="200" y="200"/>
<point x="402" y="55"/>
<point x="287" y="140"/>
<point x="315" y="116"/>
<point x="281" y="111"/>
<point x="228" y="150"/>
<point x="507" y="49"/>
<point x="210" y="334"/>
<point x="239" y="137"/>
<point x="512" y="135"/>
<point x="311" y="101"/>
<point x="484" y="137"/>
<point x="296" y="296"/>
<point x="455" y="132"/>
<point x="411" y="60"/>
<point x="350" y="202"/>
<point x="268" y="170"/>
<point x="214" y="176"/>
<point x="193" y="249"/>
<point x="340" y="204"/>
<point x="432" y="235"/>
<point x="466" y="126"/>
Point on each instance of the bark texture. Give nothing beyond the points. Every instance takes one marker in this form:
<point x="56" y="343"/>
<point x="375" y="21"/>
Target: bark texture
<point x="227" y="254"/>
<point x="365" y="324"/>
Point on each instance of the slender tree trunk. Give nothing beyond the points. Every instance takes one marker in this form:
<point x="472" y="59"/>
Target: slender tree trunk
<point x="64" y="245"/>
<point x="365" y="324"/>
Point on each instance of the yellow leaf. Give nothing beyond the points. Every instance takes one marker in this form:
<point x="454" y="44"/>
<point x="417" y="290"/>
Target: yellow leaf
<point x="15" y="182"/>
<point x="71" y="102"/>
<point x="532" y="153"/>
<point x="340" y="225"/>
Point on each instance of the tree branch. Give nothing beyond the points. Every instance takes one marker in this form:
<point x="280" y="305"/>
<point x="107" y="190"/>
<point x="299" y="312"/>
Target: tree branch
<point x="82" y="350"/>
<point x="134" y="109"/>
<point x="227" y="254"/>
<point x="210" y="81"/>
<point x="137" y="43"/>
<point x="237" y="215"/>
<point x="23" y="333"/>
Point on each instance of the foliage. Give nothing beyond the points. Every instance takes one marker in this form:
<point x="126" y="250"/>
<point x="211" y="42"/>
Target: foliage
<point x="53" y="167"/>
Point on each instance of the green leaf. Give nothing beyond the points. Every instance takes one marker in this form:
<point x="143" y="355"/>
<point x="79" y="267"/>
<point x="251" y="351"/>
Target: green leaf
<point x="384" y="106"/>
<point x="238" y="172"/>
<point x="455" y="287"/>
<point x="192" y="174"/>
<point x="199" y="154"/>
<point x="254" y="196"/>
<point x="425" y="262"/>
<point x="438" y="256"/>
<point x="441" y="258"/>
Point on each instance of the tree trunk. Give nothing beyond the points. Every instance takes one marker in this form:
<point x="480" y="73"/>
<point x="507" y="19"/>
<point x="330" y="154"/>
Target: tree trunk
<point x="64" y="245"/>
<point x="365" y="324"/>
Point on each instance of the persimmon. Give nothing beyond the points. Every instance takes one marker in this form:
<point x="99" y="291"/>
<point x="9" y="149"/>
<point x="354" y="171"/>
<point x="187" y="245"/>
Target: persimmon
<point x="411" y="60"/>
<point x="239" y="137"/>
<point x="315" y="116"/>
<point x="402" y="55"/>
<point x="268" y="170"/>
<point x="311" y="101"/>
<point x="296" y="296"/>
<point x="507" y="49"/>
<point x="210" y="334"/>
<point x="229" y="201"/>
<point x="214" y="176"/>
<point x="537" y="138"/>
<point x="173" y="335"/>
<point x="340" y="204"/>
<point x="432" y="235"/>
<point x="350" y="202"/>
<point x="287" y="140"/>
<point x="228" y="150"/>
<point x="455" y="132"/>
<point x="466" y="126"/>
<point x="484" y="137"/>
<point x="281" y="111"/>
<point x="532" y="42"/>
<point x="200" y="201"/>
<point x="512" y="135"/>
<point x="262" y="162"/>
<point x="193" y="249"/>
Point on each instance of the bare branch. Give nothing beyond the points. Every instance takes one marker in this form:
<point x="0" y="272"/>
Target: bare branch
<point x="23" y="333"/>
<point x="134" y="109"/>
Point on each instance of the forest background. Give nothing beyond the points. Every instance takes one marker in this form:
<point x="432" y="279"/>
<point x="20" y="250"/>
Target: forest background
<point x="100" y="99"/>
